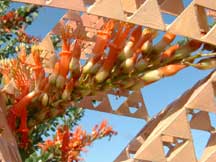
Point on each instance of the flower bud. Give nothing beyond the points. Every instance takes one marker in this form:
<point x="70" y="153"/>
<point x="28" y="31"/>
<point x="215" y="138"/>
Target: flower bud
<point x="45" y="99"/>
<point x="146" y="47"/>
<point x="151" y="76"/>
<point x="126" y="52"/>
<point x="141" y="65"/>
<point x="40" y="116"/>
<point x="128" y="65"/>
<point x="74" y="65"/>
<point x="53" y="112"/>
<point x="101" y="75"/>
<point x="31" y="123"/>
<point x="181" y="54"/>
<point x="66" y="95"/>
<point x="87" y="67"/>
<point x="60" y="82"/>
<point x="206" y="64"/>
<point x="52" y="78"/>
<point x="95" y="68"/>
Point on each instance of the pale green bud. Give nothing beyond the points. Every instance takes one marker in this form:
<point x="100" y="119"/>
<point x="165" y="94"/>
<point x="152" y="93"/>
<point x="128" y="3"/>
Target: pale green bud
<point x="151" y="76"/>
<point x="44" y="99"/>
<point x="101" y="75"/>
<point x="60" y="82"/>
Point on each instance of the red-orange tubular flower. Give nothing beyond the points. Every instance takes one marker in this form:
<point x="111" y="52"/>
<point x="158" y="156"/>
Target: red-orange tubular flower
<point x="72" y="144"/>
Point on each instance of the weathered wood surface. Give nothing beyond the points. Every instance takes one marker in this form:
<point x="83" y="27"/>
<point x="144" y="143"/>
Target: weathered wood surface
<point x="8" y="147"/>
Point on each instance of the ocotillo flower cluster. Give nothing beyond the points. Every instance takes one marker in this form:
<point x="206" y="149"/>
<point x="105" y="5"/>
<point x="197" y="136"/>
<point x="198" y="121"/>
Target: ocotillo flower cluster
<point x="124" y="57"/>
<point x="72" y="144"/>
<point x="15" y="21"/>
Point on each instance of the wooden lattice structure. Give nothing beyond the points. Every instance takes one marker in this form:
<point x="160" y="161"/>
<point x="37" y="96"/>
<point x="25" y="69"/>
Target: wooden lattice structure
<point x="147" y="13"/>
<point x="169" y="128"/>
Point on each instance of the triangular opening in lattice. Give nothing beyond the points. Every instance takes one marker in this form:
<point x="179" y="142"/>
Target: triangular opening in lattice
<point x="96" y="103"/>
<point x="166" y="150"/>
<point x="196" y="111"/>
<point x="130" y="92"/>
<point x="183" y="152"/>
<point x="171" y="143"/>
<point x="66" y="20"/>
<point x="186" y="3"/>
<point x="212" y="117"/>
<point x="189" y="116"/>
<point x="140" y="104"/>
<point x="83" y="62"/>
<point x="168" y="19"/>
<point x="132" y="109"/>
<point x="116" y="101"/>
<point x="210" y="17"/>
<point x="131" y="155"/>
<point x="200" y="139"/>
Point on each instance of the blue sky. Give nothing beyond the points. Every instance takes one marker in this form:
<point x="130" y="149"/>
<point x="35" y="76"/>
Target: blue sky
<point x="156" y="97"/>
